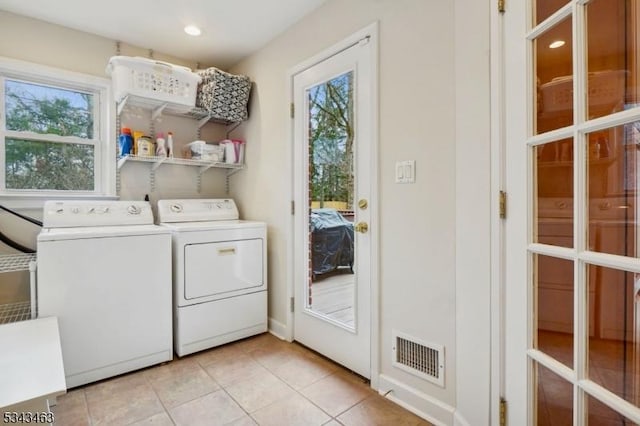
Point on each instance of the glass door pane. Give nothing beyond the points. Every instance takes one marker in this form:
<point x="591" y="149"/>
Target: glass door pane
<point x="545" y="8"/>
<point x="613" y="347"/>
<point x="599" y="414"/>
<point x="612" y="161"/>
<point x="554" y="193"/>
<point x="612" y="56"/>
<point x="554" y="295"/>
<point x="553" y="397"/>
<point x="553" y="56"/>
<point x="331" y="278"/>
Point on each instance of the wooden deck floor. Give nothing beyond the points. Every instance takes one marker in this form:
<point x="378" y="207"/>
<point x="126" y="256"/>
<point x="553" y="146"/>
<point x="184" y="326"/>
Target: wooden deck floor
<point x="333" y="296"/>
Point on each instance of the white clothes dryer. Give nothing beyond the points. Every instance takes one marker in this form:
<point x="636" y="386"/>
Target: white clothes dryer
<point x="219" y="273"/>
<point x="104" y="269"/>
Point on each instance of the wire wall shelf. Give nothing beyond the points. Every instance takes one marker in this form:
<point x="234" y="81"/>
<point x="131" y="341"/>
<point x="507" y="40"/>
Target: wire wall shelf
<point x="16" y="262"/>
<point x="179" y="161"/>
<point x="14" y="312"/>
<point x="158" y="108"/>
<point x="202" y="165"/>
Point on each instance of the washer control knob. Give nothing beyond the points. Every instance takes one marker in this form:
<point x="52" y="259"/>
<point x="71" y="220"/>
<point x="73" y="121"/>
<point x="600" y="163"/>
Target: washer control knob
<point x="176" y="208"/>
<point x="133" y="209"/>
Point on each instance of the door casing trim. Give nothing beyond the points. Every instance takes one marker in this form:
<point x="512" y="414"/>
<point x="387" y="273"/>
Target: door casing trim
<point x="497" y="280"/>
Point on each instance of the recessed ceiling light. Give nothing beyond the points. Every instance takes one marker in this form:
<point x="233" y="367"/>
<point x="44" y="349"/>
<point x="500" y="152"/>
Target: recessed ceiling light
<point x="554" y="45"/>
<point x="192" y="30"/>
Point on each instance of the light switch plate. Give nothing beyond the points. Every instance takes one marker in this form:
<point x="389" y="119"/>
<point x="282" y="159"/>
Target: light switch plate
<point x="406" y="171"/>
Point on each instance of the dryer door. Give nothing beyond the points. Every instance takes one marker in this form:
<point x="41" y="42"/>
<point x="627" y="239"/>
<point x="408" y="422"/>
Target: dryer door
<point x="222" y="269"/>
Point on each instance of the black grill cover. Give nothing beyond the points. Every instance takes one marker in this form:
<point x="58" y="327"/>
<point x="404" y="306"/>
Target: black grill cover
<point x="331" y="241"/>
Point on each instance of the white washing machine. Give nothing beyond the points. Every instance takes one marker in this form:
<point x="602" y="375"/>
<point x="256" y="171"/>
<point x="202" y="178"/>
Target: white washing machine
<point x="219" y="273"/>
<point x="104" y="269"/>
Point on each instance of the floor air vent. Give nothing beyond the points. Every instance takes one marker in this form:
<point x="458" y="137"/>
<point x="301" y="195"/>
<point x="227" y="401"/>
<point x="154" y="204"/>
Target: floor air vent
<point x="425" y="360"/>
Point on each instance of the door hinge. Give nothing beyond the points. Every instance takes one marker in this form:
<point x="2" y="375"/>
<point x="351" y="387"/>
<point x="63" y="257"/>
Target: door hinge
<point x="292" y="109"/>
<point x="501" y="6"/>
<point x="292" y="302"/>
<point x="293" y="207"/>
<point x="503" y="412"/>
<point x="503" y="205"/>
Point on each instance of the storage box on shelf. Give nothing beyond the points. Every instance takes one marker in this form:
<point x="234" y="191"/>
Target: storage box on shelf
<point x="224" y="95"/>
<point x="200" y="150"/>
<point x="148" y="78"/>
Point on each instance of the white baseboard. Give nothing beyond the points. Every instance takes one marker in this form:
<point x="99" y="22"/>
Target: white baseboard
<point x="458" y="420"/>
<point x="278" y="329"/>
<point x="419" y="403"/>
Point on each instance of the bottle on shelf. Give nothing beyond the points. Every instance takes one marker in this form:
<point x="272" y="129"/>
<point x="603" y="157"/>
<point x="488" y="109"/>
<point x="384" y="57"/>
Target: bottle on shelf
<point x="229" y="151"/>
<point x="161" y="149"/>
<point x="170" y="145"/>
<point x="136" y="136"/>
<point x="125" y="142"/>
<point x="145" y="147"/>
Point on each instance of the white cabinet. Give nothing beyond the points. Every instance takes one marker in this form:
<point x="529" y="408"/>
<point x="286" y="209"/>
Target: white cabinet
<point x="31" y="368"/>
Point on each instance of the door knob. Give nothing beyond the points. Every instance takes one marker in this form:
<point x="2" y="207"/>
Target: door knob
<point x="362" y="227"/>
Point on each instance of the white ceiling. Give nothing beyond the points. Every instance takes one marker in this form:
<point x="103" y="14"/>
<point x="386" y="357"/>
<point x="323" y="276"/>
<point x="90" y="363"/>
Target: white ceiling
<point x="231" y="29"/>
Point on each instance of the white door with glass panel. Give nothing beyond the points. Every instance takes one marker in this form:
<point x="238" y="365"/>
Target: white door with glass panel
<point x="572" y="311"/>
<point x="332" y="186"/>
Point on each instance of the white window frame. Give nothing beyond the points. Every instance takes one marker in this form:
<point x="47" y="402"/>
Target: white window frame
<point x="103" y="140"/>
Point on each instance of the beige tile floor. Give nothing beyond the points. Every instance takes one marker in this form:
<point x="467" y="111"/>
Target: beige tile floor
<point x="260" y="380"/>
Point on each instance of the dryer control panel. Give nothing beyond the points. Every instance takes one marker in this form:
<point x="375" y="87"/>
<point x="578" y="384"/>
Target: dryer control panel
<point x="197" y="210"/>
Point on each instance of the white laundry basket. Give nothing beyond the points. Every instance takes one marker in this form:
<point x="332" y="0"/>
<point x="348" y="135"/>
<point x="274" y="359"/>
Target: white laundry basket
<point x="153" y="79"/>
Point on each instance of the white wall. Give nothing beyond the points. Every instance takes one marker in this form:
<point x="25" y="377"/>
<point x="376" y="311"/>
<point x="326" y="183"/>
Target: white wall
<point x="417" y="121"/>
<point x="48" y="44"/>
<point x="473" y="233"/>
